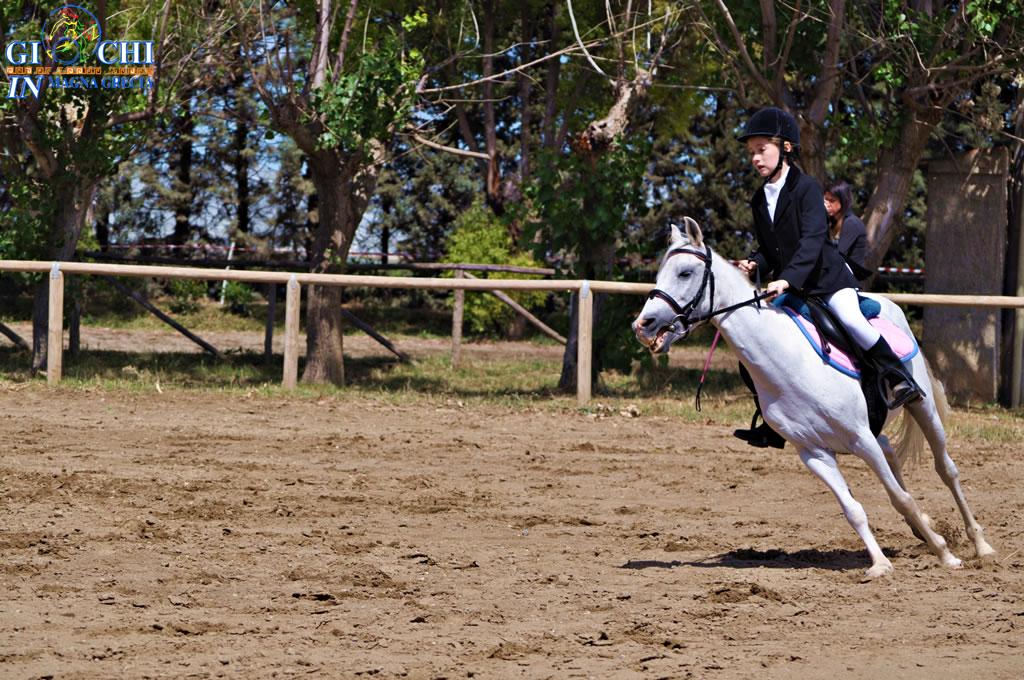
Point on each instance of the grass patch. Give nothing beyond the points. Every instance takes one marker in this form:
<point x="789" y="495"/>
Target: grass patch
<point x="511" y="383"/>
<point x="991" y="424"/>
<point x="516" y="383"/>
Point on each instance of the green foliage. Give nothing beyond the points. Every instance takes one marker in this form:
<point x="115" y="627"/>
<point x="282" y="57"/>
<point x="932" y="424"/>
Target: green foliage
<point x="480" y="238"/>
<point x="186" y="294"/>
<point x="55" y="145"/>
<point x="239" y="296"/>
<point x="580" y="202"/>
<point x="367" y="103"/>
<point x="20" y="237"/>
<point x="986" y="16"/>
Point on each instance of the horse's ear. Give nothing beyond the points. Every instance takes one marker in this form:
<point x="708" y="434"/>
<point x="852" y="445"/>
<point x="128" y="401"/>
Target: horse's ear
<point x="676" y="235"/>
<point x="693" y="232"/>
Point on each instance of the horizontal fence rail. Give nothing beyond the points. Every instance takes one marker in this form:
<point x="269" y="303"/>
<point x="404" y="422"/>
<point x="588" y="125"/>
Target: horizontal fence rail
<point x="294" y="280"/>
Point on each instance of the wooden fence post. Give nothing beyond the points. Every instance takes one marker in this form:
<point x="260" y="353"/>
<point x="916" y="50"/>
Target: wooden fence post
<point x="460" y="303"/>
<point x="55" y="326"/>
<point x="291" y="333"/>
<point x="584" y="342"/>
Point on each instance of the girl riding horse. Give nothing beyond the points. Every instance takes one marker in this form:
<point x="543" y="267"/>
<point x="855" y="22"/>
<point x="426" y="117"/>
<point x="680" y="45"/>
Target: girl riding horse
<point x="794" y="253"/>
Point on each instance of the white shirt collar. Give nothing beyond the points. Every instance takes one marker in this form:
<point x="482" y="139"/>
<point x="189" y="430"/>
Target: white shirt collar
<point x="773" y="189"/>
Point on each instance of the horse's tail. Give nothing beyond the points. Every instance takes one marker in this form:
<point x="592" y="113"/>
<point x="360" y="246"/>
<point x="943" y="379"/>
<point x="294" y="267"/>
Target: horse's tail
<point x="911" y="439"/>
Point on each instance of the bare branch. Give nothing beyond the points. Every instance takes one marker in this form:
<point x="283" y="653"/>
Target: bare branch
<point x="769" y="27"/>
<point x="621" y="43"/>
<point x="552" y="55"/>
<point x="745" y="55"/>
<point x="818" y="108"/>
<point x="339" y="60"/>
<point x="449" y="149"/>
<point x="780" y="67"/>
<point x="579" y="40"/>
<point x="317" y="68"/>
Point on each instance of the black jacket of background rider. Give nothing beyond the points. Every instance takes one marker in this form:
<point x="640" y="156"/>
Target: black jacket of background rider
<point x="795" y="246"/>
<point x="853" y="245"/>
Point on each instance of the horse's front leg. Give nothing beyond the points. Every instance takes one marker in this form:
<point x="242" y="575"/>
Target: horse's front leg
<point x="823" y="464"/>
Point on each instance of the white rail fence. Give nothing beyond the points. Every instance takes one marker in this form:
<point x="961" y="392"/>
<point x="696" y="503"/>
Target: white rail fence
<point x="295" y="280"/>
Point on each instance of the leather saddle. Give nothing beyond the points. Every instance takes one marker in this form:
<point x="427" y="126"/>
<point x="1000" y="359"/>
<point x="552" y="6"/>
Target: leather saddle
<point x="833" y="334"/>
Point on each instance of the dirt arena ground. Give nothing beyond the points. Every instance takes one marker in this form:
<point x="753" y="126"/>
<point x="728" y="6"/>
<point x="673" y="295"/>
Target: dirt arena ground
<point x="197" y="535"/>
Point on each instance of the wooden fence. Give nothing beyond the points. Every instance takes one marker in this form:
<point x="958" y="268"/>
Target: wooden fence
<point x="294" y="281"/>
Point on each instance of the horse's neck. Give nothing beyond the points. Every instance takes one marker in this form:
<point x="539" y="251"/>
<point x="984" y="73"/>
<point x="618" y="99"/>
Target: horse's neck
<point x="751" y="332"/>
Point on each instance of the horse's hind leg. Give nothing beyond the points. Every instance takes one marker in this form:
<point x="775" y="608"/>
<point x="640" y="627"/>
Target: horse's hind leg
<point x="823" y="465"/>
<point x="926" y="415"/>
<point x="897" y="471"/>
<point x="869" y="450"/>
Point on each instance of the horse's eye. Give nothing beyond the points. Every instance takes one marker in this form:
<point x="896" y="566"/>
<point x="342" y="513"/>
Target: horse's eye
<point x="685" y="274"/>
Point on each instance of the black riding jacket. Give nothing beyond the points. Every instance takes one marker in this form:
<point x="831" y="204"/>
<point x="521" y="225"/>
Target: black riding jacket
<point x="795" y="246"/>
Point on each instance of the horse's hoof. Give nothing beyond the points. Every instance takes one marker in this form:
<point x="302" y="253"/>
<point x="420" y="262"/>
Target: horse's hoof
<point x="986" y="553"/>
<point x="952" y="562"/>
<point x="877" y="571"/>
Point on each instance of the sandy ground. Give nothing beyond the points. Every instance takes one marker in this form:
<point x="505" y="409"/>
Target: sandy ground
<point x="194" y="535"/>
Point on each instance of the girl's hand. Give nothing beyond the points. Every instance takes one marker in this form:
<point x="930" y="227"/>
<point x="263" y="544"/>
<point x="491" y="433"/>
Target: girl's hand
<point x="776" y="288"/>
<point x="747" y="266"/>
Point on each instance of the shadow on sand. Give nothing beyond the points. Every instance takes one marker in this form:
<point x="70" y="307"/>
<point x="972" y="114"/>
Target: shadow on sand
<point x="749" y="558"/>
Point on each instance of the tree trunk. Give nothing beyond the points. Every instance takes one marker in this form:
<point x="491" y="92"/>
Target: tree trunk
<point x="324" y="337"/>
<point x="812" y="151"/>
<point x="242" y="176"/>
<point x="896" y="166"/>
<point x="65" y="228"/>
<point x="183" y="186"/>
<point x="102" y="228"/>
<point x="493" y="180"/>
<point x="343" y="191"/>
<point x="551" y="78"/>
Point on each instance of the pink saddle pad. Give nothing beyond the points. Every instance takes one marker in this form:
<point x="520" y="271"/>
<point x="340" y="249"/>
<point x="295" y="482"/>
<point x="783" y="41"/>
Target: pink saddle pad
<point x="902" y="344"/>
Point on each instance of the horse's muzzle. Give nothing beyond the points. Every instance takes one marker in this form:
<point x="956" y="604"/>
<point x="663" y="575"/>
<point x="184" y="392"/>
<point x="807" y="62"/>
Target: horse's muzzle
<point x="640" y="331"/>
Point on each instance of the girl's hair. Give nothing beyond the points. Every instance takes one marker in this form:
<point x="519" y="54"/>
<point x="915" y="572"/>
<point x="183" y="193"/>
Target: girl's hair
<point x="844" y="193"/>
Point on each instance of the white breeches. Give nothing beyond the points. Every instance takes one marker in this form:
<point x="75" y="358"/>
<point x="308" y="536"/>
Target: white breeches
<point x="845" y="305"/>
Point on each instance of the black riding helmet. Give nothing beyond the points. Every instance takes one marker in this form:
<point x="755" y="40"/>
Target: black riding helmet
<point x="772" y="122"/>
<point x="775" y="123"/>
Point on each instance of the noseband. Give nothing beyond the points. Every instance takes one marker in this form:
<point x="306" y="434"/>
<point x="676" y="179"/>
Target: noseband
<point x="683" y="311"/>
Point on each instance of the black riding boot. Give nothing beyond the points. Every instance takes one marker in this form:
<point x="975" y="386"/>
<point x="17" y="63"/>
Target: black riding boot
<point x="761" y="435"/>
<point x="897" y="385"/>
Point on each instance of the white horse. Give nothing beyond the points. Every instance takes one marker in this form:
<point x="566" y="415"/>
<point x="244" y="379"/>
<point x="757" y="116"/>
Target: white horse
<point x="816" y="408"/>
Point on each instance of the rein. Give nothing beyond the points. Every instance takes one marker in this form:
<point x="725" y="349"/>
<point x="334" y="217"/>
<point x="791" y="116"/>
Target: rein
<point x="683" y="312"/>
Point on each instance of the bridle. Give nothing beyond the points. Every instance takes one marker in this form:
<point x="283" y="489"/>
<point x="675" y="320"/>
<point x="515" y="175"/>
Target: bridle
<point x="683" y="311"/>
<point x="708" y="281"/>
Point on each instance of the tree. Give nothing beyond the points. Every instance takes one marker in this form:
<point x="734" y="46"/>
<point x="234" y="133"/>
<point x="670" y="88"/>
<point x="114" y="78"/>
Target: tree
<point x="925" y="56"/>
<point x="524" y="130"/>
<point x="340" y="100"/>
<point x="59" y="143"/>
<point x="871" y="81"/>
<point x="800" y="49"/>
